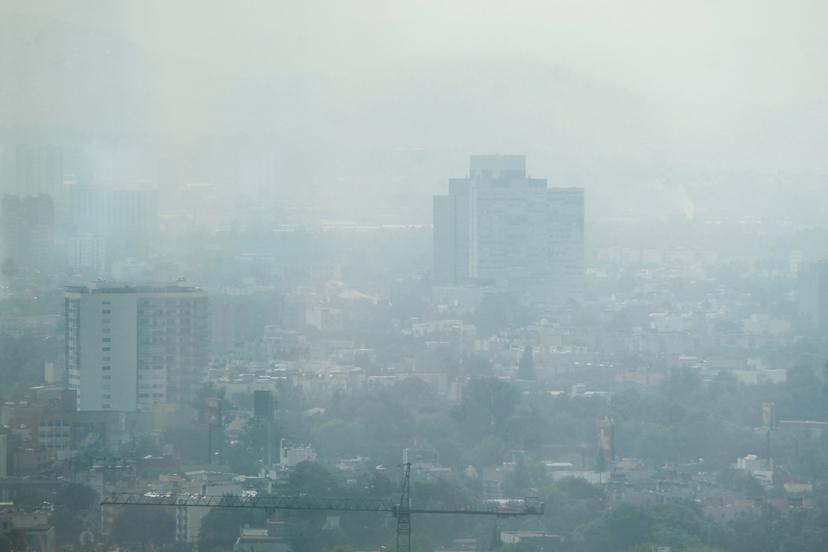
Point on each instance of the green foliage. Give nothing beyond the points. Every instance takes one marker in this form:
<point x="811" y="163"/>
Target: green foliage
<point x="22" y="358"/>
<point x="220" y="527"/>
<point x="305" y="537"/>
<point x="741" y="482"/>
<point x="486" y="407"/>
<point x="140" y="525"/>
<point x="311" y="479"/>
<point x="800" y="530"/>
<point x="418" y="544"/>
<point x="190" y="441"/>
<point x="682" y="420"/>
<point x="498" y="311"/>
<point x="628" y="527"/>
<point x="75" y="506"/>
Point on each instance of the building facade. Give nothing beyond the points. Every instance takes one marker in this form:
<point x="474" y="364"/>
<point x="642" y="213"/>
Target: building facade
<point x="126" y="218"/>
<point x="87" y="254"/>
<point x="38" y="170"/>
<point x="135" y="348"/>
<point x="502" y="228"/>
<point x="27" y="225"/>
<point x="812" y="295"/>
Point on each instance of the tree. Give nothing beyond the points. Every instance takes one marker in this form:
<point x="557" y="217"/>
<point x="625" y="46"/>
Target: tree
<point x="145" y="525"/>
<point x="74" y="504"/>
<point x="486" y="408"/>
<point x="21" y="362"/>
<point x="311" y="479"/>
<point x="500" y="311"/>
<point x="629" y="525"/>
<point x="740" y="481"/>
<point x="526" y="366"/>
<point x="476" y="365"/>
<point x="220" y="527"/>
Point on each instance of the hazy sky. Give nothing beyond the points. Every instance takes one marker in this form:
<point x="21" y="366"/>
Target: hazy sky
<point x="729" y="83"/>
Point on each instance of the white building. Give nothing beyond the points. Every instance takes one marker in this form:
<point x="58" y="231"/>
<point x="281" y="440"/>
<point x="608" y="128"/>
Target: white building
<point x="500" y="227"/>
<point x="759" y="468"/>
<point x="290" y="455"/>
<point x="130" y="348"/>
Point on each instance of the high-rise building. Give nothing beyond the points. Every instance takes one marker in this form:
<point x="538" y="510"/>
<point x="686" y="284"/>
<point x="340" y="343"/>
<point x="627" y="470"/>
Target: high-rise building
<point x="27" y="227"/>
<point x="87" y="254"/>
<point x="128" y="218"/>
<point x="135" y="347"/>
<point x="606" y="440"/>
<point x="500" y="227"/>
<point x="812" y="295"/>
<point x="38" y="170"/>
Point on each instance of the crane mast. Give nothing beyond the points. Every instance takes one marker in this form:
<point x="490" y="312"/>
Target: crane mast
<point x="404" y="512"/>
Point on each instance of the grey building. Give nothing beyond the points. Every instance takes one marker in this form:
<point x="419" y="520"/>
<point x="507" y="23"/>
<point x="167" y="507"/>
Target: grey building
<point x="27" y="232"/>
<point x="127" y="218"/>
<point x="38" y="170"/>
<point x="812" y="295"/>
<point x="500" y="227"/>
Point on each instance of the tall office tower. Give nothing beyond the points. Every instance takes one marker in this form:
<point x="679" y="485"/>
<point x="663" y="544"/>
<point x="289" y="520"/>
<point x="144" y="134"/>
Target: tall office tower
<point x="812" y="295"/>
<point x="87" y="254"/>
<point x="133" y="214"/>
<point x="127" y="217"/>
<point x="135" y="347"/>
<point x="27" y="226"/>
<point x="87" y="209"/>
<point x="452" y="234"/>
<point x="500" y="227"/>
<point x="38" y="170"/>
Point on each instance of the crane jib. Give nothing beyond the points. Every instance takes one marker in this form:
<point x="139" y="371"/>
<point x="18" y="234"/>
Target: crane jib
<point x="402" y="511"/>
<point x="303" y="503"/>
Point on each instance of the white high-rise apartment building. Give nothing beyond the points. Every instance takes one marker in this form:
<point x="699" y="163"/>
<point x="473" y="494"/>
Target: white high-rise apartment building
<point x="500" y="227"/>
<point x="135" y="347"/>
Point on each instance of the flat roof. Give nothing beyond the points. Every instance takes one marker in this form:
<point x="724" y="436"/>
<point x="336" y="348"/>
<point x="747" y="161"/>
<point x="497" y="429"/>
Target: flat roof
<point x="115" y="287"/>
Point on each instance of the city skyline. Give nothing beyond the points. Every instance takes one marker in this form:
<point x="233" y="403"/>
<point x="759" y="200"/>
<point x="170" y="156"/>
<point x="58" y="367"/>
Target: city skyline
<point x="383" y="276"/>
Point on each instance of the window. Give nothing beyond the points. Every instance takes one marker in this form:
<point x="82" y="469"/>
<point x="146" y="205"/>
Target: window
<point x="106" y="311"/>
<point x="106" y="406"/>
<point x="106" y="349"/>
<point x="106" y="358"/>
<point x="106" y="367"/>
<point x="107" y="339"/>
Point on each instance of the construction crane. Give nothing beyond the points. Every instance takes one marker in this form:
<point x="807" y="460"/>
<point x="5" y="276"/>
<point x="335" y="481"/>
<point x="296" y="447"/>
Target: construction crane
<point x="402" y="511"/>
